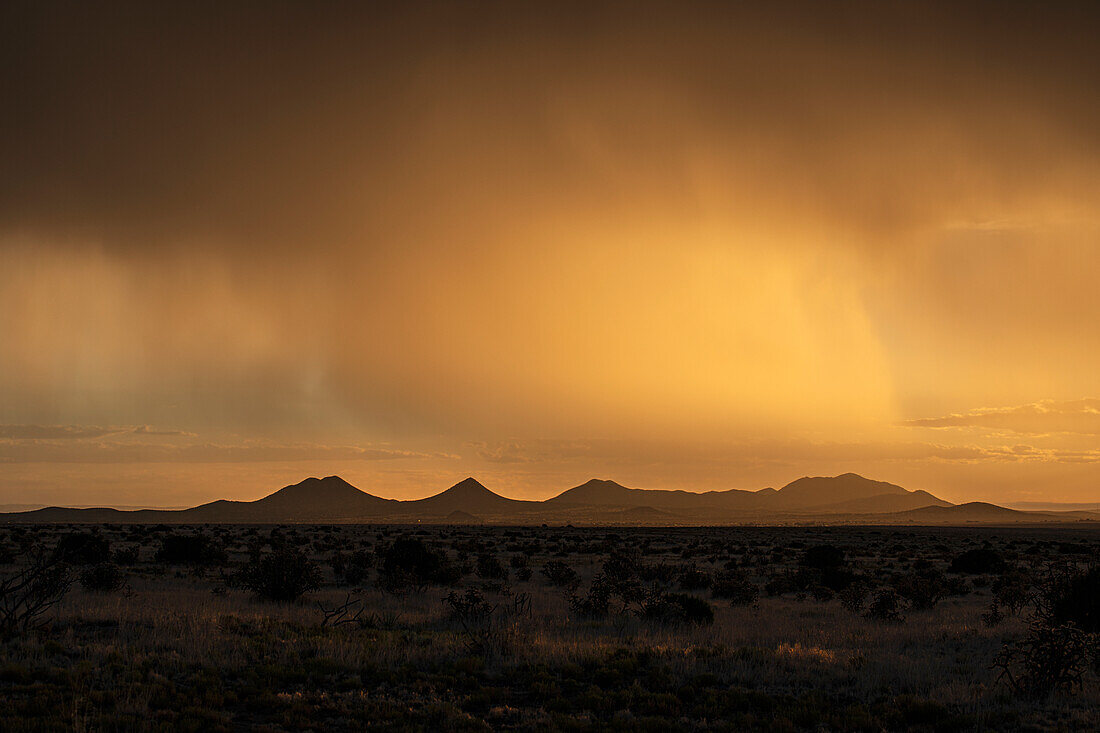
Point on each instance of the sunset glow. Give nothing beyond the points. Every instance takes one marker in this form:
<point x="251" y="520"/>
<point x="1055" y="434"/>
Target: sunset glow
<point x="707" y="250"/>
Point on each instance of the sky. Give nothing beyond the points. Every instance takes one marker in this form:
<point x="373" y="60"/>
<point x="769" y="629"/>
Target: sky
<point x="684" y="245"/>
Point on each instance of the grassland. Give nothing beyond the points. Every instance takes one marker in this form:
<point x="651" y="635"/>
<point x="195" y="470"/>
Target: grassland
<point x="184" y="646"/>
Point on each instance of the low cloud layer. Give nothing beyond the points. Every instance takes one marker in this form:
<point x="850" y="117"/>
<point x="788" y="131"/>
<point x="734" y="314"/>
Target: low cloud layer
<point x="1044" y="417"/>
<point x="145" y="444"/>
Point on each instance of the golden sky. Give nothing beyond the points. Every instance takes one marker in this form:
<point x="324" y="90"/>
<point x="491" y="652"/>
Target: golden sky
<point x="682" y="246"/>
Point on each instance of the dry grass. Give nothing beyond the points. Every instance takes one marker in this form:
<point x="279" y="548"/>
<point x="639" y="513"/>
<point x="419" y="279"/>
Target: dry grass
<point x="171" y="653"/>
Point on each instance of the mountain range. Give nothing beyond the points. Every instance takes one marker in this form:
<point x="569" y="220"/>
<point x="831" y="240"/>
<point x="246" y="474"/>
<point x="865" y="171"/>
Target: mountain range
<point x="845" y="499"/>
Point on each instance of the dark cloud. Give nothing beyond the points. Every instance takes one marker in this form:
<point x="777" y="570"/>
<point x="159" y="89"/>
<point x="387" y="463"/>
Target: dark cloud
<point x="246" y="125"/>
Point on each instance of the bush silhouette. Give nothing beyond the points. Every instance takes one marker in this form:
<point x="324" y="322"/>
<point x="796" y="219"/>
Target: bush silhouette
<point x="734" y="586"/>
<point x="408" y="564"/>
<point x="692" y="578"/>
<point x="284" y="574"/>
<point x="27" y="595"/>
<point x="1047" y="659"/>
<point x="1013" y="589"/>
<point x="487" y="627"/>
<point x="1077" y="601"/>
<point x="1054" y="653"/>
<point x="822" y="557"/>
<point x="594" y="604"/>
<point x="978" y="562"/>
<point x="923" y="589"/>
<point x="677" y="608"/>
<point x="106" y="577"/>
<point x="126" y="556"/>
<point x="559" y="574"/>
<point x="885" y="606"/>
<point x="83" y="548"/>
<point x="854" y="597"/>
<point x="354" y="568"/>
<point x="196" y="550"/>
<point x="489" y="567"/>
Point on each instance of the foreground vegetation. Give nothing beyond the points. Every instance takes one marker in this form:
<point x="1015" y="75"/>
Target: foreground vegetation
<point x="333" y="627"/>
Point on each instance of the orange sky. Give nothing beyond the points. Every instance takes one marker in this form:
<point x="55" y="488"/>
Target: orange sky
<point x="681" y="246"/>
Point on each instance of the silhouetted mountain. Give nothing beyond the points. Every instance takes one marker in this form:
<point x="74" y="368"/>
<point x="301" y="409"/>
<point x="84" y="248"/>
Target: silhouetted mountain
<point x="846" y="498"/>
<point x="825" y="490"/>
<point x="881" y="503"/>
<point x="645" y="514"/>
<point x="1055" y="506"/>
<point x="315" y="499"/>
<point x="467" y="495"/>
<point x="983" y="512"/>
<point x="330" y="495"/>
<point x="460" y="517"/>
<point x="601" y="492"/>
<point x="98" y="515"/>
<point x="329" y="499"/>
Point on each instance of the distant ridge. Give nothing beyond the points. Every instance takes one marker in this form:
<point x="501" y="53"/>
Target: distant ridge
<point x="601" y="492"/>
<point x="848" y="498"/>
<point x="461" y="517"/>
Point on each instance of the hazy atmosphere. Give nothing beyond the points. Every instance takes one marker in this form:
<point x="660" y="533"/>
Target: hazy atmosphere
<point x="539" y="243"/>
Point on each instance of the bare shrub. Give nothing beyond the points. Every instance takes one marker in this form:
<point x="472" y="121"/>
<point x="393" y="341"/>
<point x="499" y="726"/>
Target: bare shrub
<point x="994" y="616"/>
<point x="353" y="612"/>
<point x="596" y="603"/>
<point x="1049" y="658"/>
<point x="1054" y="654"/>
<point x="26" y="596"/>
<point x="487" y="628"/>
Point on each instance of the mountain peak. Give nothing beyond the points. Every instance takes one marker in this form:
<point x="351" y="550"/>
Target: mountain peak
<point x="329" y="495"/>
<point x="811" y="490"/>
<point x="312" y="486"/>
<point x="596" y="491"/>
<point x="605" y="483"/>
<point x="468" y="495"/>
<point x="469" y="486"/>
